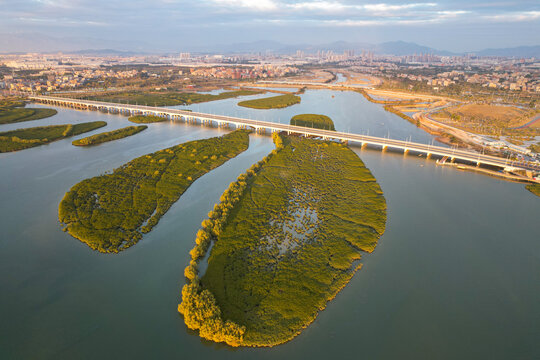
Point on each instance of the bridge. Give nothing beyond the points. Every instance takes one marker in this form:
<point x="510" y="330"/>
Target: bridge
<point x="263" y="126"/>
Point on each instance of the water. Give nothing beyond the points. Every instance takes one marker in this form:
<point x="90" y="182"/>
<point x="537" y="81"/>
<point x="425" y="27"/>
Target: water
<point x="456" y="274"/>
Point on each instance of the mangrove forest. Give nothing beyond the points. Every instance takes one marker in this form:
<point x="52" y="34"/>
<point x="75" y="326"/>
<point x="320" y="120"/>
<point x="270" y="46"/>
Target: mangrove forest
<point x="20" y="139"/>
<point x="110" y="212"/>
<point x="316" y="121"/>
<point x="287" y="237"/>
<point x="109" y="135"/>
<point x="13" y="111"/>
<point x="273" y="102"/>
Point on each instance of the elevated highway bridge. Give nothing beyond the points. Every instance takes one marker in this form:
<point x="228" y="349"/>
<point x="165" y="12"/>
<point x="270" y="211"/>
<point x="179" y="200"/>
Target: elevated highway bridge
<point x="263" y="126"/>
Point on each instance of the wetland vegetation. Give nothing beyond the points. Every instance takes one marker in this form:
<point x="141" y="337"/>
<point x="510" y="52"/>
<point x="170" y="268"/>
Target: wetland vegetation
<point x="534" y="188"/>
<point x="146" y="119"/>
<point x="20" y="139"/>
<point x="273" y="102"/>
<point x="12" y="111"/>
<point x="110" y="212"/>
<point x="287" y="236"/>
<point x="109" y="135"/>
<point x="169" y="98"/>
<point x="316" y="121"/>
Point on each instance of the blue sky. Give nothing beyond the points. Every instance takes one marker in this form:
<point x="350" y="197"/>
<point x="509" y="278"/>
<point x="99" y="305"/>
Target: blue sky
<point x="179" y="24"/>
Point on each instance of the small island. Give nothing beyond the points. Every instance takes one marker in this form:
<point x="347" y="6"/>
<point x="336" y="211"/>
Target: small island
<point x="26" y="138"/>
<point x="109" y="136"/>
<point x="146" y="119"/>
<point x="110" y="212"/>
<point x="13" y="111"/>
<point x="287" y="237"/>
<point x="169" y="98"/>
<point x="316" y="121"/>
<point x="534" y="188"/>
<point x="273" y="102"/>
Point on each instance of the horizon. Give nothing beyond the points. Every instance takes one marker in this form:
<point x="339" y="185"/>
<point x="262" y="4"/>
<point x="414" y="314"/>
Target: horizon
<point x="178" y="25"/>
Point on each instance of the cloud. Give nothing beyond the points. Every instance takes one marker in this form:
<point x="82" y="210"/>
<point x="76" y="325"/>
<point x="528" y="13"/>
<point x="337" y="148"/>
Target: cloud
<point x="513" y="16"/>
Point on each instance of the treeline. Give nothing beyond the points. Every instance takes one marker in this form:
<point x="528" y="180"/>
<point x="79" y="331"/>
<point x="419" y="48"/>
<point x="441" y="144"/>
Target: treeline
<point x="273" y="102"/>
<point x="316" y="121"/>
<point x="30" y="137"/>
<point x="109" y="135"/>
<point x="146" y="119"/>
<point x="198" y="306"/>
<point x="12" y="111"/>
<point x="110" y="212"/>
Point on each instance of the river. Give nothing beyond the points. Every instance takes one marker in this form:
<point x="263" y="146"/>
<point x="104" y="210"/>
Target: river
<point x="456" y="274"/>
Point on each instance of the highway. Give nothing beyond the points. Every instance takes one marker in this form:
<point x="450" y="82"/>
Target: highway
<point x="220" y="120"/>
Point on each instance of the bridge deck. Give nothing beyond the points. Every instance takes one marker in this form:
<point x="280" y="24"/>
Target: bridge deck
<point x="266" y="125"/>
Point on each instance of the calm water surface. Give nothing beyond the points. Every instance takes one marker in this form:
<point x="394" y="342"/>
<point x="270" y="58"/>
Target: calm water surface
<point x="456" y="274"/>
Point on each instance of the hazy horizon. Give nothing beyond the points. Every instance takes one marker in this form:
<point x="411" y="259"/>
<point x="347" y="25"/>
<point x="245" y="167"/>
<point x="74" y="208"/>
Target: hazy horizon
<point x="172" y="25"/>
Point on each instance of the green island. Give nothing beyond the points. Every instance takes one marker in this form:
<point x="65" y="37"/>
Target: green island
<point x="26" y="138"/>
<point x="169" y="98"/>
<point x="316" y="121"/>
<point x="287" y="236"/>
<point x="534" y="188"/>
<point x="13" y="111"/>
<point x="110" y="212"/>
<point x="146" y="119"/>
<point x="109" y="135"/>
<point x="273" y="102"/>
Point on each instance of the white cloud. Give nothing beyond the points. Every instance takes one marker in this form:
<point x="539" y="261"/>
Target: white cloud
<point x="514" y="16"/>
<point x="255" y="5"/>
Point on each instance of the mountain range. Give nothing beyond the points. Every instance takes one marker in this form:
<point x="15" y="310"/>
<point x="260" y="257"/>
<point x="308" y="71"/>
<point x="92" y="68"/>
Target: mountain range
<point x="36" y="42"/>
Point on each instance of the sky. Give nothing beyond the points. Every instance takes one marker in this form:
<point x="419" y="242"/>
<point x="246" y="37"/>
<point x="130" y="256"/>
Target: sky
<point x="182" y="25"/>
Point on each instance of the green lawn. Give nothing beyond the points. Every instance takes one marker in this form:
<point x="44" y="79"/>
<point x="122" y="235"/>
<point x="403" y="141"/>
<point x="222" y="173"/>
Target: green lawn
<point x="274" y="102"/>
<point x="110" y="212"/>
<point x="26" y="138"/>
<point x="287" y="236"/>
<point x="316" y="121"/>
<point x="109" y="135"/>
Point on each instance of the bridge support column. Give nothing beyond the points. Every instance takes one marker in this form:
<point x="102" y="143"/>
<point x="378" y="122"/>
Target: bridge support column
<point x="405" y="151"/>
<point x="384" y="147"/>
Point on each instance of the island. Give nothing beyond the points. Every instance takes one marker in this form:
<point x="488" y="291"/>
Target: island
<point x="146" y="119"/>
<point x="273" y="102"/>
<point x="13" y="111"/>
<point x="26" y="138"/>
<point x="534" y="188"/>
<point x="168" y="98"/>
<point x="316" y="121"/>
<point x="286" y="237"/>
<point x="109" y="135"/>
<point x="110" y="212"/>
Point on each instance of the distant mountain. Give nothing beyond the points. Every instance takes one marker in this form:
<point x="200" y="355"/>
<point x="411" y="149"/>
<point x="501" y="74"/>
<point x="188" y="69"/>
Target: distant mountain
<point x="37" y="42"/>
<point x="519" y="51"/>
<point x="401" y="48"/>
<point x="106" y="52"/>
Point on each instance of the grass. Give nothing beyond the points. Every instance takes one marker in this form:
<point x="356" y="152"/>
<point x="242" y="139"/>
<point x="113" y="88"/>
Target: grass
<point x="169" y="98"/>
<point x="109" y="136"/>
<point x="287" y="236"/>
<point x="534" y="188"/>
<point x="30" y="137"/>
<point x="316" y="121"/>
<point x="146" y="119"/>
<point x="12" y="111"/>
<point x="273" y="102"/>
<point x="110" y="212"/>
